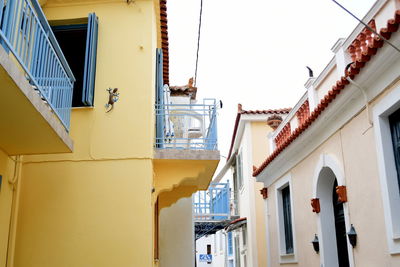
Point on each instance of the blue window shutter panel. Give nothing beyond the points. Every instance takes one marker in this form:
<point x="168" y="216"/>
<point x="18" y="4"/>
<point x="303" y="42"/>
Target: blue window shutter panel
<point x="90" y="60"/>
<point x="159" y="99"/>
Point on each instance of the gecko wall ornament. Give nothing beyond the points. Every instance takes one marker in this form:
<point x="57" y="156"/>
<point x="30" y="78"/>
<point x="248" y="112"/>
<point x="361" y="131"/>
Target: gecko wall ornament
<point x="113" y="97"/>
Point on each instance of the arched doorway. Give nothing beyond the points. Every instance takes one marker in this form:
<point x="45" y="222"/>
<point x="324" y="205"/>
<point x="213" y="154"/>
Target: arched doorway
<point x="333" y="239"/>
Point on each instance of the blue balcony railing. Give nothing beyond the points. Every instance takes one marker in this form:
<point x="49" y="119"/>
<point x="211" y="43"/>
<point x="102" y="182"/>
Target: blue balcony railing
<point x="187" y="126"/>
<point x="212" y="204"/>
<point x="25" y="32"/>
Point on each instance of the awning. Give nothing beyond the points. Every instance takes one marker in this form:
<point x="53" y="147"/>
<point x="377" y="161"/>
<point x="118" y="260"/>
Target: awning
<point x="236" y="224"/>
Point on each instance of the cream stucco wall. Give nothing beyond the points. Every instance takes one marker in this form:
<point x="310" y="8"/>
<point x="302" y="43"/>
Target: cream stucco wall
<point x="261" y="149"/>
<point x="177" y="235"/>
<point x="254" y="147"/>
<point x="353" y="147"/>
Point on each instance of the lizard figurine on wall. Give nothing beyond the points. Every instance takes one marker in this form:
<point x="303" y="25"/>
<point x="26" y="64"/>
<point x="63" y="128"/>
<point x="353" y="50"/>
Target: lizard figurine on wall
<point x="112" y="98"/>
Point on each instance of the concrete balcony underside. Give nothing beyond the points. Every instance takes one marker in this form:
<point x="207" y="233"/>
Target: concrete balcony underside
<point x="27" y="123"/>
<point x="178" y="173"/>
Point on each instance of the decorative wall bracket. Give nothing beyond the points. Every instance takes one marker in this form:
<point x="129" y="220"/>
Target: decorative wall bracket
<point x="342" y="193"/>
<point x="315" y="205"/>
<point x="264" y="192"/>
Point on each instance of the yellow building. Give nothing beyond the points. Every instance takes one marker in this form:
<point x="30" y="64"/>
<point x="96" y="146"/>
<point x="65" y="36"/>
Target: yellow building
<point x="84" y="186"/>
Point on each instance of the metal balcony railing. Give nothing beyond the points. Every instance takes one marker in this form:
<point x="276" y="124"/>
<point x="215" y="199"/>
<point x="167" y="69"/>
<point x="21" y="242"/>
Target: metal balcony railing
<point x="187" y="126"/>
<point x="25" y="32"/>
<point x="212" y="204"/>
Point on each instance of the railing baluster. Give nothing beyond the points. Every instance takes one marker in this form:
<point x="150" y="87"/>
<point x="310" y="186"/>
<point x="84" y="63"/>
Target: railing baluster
<point x="25" y="33"/>
<point x="184" y="132"/>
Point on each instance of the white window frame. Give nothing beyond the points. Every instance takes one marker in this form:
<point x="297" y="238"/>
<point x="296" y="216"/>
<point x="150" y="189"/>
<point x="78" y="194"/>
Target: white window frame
<point x="387" y="169"/>
<point x="239" y="170"/>
<point x="221" y="242"/>
<point x="244" y="236"/>
<point x="283" y="256"/>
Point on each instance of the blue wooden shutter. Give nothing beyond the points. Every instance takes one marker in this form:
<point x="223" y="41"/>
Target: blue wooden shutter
<point x="159" y="76"/>
<point x="159" y="99"/>
<point x="90" y="60"/>
<point x="230" y="244"/>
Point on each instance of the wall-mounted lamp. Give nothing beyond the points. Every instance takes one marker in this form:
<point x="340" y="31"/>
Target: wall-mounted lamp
<point x="352" y="234"/>
<point x="315" y="243"/>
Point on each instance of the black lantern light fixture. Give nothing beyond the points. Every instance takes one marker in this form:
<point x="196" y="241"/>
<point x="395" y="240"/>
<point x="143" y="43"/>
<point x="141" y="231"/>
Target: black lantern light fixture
<point x="315" y="243"/>
<point x="352" y="234"/>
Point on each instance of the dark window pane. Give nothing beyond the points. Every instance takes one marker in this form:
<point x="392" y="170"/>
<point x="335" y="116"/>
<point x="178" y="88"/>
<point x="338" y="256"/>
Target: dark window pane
<point x="287" y="219"/>
<point x="72" y="41"/>
<point x="394" y="121"/>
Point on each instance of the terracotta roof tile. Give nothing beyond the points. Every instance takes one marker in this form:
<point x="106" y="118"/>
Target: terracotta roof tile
<point x="354" y="70"/>
<point x="187" y="90"/>
<point x="252" y="112"/>
<point x="267" y="111"/>
<point x="164" y="39"/>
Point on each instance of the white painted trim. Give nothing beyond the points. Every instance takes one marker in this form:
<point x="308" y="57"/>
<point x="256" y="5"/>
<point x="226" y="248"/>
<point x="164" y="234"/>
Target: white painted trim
<point x="280" y="184"/>
<point x="267" y="235"/>
<point x="387" y="168"/>
<point x="328" y="160"/>
<point x="336" y="166"/>
<point x="378" y="75"/>
<point x="324" y="74"/>
<point x="244" y="118"/>
<point x="291" y="115"/>
<point x="271" y="143"/>
<point x="370" y="14"/>
<point x="252" y="236"/>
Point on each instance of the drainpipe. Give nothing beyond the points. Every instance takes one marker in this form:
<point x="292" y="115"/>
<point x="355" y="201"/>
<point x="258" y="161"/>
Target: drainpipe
<point x="363" y="93"/>
<point x="365" y="99"/>
<point x="14" y="182"/>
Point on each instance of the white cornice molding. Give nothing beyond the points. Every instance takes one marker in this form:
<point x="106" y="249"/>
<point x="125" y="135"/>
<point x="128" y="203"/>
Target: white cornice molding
<point x="379" y="73"/>
<point x="370" y="15"/>
<point x="291" y="114"/>
<point x="325" y="72"/>
<point x="309" y="82"/>
<point x="339" y="43"/>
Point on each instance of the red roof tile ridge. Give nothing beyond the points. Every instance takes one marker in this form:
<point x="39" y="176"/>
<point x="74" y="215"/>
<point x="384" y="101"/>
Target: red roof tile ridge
<point x="242" y="111"/>
<point x="164" y="39"/>
<point x="238" y="220"/>
<point x="354" y="70"/>
<point x="267" y="111"/>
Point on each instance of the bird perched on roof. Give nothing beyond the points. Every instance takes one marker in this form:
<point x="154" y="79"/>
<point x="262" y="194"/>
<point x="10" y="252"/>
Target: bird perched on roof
<point x="310" y="72"/>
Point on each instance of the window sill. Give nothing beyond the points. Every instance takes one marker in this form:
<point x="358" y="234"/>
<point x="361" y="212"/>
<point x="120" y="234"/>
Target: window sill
<point x="287" y="258"/>
<point x="78" y="108"/>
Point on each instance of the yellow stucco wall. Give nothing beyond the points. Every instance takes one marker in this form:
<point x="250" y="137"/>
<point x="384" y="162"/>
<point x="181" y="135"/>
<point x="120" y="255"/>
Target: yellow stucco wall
<point x="85" y="214"/>
<point x="7" y="171"/>
<point x="93" y="207"/>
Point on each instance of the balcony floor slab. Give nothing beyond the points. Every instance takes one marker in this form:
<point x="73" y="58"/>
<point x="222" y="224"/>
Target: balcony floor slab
<point x="27" y="123"/>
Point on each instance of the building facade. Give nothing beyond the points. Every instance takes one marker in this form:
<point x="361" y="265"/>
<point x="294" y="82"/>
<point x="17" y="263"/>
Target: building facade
<point x="242" y="241"/>
<point x="87" y="164"/>
<point x="332" y="178"/>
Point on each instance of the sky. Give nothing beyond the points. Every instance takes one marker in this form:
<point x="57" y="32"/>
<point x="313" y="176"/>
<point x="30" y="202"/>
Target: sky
<point x="254" y="52"/>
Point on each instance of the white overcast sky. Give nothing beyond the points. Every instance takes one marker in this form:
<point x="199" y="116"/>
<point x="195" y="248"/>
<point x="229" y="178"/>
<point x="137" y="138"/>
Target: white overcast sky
<point x="254" y="52"/>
